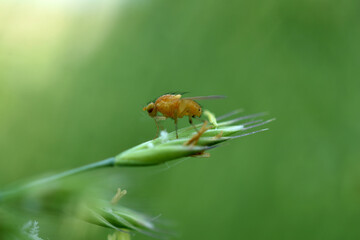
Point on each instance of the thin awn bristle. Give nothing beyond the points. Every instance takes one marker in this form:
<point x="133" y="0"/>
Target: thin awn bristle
<point x="250" y="133"/>
<point x="243" y="118"/>
<point x="229" y="114"/>
<point x="252" y="122"/>
<point x="259" y="124"/>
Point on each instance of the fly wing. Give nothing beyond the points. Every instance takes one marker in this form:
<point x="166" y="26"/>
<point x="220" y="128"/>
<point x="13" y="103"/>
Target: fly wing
<point x="205" y="97"/>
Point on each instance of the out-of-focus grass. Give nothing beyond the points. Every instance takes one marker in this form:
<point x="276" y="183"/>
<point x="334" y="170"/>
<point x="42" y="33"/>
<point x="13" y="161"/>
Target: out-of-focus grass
<point x="297" y="60"/>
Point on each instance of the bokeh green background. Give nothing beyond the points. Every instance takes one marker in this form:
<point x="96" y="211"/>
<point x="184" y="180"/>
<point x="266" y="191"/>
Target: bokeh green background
<point x="75" y="76"/>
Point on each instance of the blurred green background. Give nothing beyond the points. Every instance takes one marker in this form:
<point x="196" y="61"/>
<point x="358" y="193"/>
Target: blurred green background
<point x="74" y="76"/>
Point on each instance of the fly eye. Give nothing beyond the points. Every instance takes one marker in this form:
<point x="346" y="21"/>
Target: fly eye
<point x="150" y="110"/>
<point x="199" y="109"/>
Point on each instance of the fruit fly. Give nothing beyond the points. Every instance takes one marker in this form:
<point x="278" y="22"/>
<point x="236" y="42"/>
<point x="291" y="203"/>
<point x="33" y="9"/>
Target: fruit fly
<point x="175" y="106"/>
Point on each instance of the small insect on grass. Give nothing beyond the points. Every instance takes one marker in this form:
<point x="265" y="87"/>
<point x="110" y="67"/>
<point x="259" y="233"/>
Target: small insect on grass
<point x="175" y="106"/>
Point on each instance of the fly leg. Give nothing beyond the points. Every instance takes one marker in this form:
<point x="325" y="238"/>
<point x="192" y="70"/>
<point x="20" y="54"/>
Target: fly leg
<point x="191" y="122"/>
<point x="157" y="119"/>
<point x="176" y="128"/>
<point x="175" y="120"/>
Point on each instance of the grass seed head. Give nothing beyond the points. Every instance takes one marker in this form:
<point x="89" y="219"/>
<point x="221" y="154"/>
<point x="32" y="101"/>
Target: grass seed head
<point x="190" y="142"/>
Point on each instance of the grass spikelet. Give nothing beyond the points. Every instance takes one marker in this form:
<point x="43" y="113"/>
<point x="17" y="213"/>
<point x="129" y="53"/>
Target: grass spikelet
<point x="168" y="147"/>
